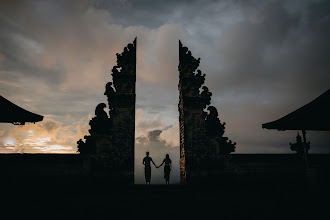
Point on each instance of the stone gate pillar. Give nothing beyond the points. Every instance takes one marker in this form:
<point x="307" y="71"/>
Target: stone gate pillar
<point x="202" y="145"/>
<point x="123" y="112"/>
<point x="191" y="114"/>
<point x="110" y="144"/>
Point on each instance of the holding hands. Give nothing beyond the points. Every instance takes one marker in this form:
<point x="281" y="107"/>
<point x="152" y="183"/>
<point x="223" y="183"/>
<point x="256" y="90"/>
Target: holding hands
<point x="161" y="164"/>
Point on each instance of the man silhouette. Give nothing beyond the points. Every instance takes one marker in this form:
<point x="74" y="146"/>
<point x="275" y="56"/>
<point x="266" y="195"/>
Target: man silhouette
<point x="147" y="167"/>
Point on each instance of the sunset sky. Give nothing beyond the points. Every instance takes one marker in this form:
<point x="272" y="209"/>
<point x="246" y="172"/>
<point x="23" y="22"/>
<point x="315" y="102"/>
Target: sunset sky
<point x="262" y="60"/>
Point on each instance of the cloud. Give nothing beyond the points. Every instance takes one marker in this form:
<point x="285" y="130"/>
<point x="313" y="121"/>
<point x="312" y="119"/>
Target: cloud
<point x="9" y="83"/>
<point x="155" y="60"/>
<point x="269" y="64"/>
<point x="143" y="124"/>
<point x="59" y="69"/>
<point x="48" y="136"/>
<point x="262" y="59"/>
<point x="82" y="128"/>
<point x="171" y="135"/>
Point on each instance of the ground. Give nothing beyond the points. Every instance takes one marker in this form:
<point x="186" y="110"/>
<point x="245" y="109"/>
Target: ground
<point x="164" y="202"/>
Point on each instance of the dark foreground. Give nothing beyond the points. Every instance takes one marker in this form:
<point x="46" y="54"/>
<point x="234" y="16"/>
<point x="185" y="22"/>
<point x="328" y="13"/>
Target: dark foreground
<point x="257" y="187"/>
<point x="164" y="202"/>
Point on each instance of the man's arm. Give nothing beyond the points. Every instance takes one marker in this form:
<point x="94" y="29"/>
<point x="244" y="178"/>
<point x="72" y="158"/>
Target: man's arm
<point x="153" y="163"/>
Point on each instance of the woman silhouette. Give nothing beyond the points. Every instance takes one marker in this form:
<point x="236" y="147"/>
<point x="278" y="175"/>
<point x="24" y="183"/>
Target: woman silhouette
<point x="167" y="168"/>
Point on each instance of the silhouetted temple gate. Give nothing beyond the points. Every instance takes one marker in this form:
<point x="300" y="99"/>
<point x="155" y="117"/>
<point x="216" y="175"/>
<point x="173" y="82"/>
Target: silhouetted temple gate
<point x="109" y="149"/>
<point x="110" y="145"/>
<point x="107" y="155"/>
<point x="203" y="148"/>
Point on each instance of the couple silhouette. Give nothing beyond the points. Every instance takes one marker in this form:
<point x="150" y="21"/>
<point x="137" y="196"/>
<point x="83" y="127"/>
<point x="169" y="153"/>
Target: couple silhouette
<point x="147" y="168"/>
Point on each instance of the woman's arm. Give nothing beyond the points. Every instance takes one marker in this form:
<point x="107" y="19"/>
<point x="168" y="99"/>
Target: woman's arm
<point x="161" y="164"/>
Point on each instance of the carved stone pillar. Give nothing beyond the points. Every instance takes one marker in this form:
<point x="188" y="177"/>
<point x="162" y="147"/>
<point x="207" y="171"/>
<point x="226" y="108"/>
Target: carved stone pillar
<point x="201" y="133"/>
<point x="111" y="139"/>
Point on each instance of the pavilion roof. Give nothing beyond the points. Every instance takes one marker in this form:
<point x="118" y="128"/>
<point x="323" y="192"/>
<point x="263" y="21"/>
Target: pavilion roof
<point x="312" y="116"/>
<point x="11" y="113"/>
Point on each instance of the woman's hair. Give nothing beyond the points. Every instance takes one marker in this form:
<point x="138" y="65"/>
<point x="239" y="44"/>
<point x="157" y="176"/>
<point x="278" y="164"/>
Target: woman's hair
<point x="167" y="156"/>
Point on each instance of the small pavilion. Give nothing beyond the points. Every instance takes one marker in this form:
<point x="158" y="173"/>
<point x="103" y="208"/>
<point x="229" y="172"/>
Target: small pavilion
<point x="314" y="116"/>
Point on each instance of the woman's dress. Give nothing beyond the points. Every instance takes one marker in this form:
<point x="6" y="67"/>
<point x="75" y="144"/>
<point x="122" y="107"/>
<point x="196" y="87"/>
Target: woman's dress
<point x="167" y="169"/>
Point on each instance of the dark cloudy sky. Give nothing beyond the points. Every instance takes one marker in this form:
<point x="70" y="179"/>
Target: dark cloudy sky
<point x="262" y="59"/>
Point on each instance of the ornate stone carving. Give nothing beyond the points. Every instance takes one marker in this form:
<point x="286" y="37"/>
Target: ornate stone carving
<point x="111" y="137"/>
<point x="110" y="93"/>
<point x="206" y="95"/>
<point x="201" y="134"/>
<point x="299" y="145"/>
